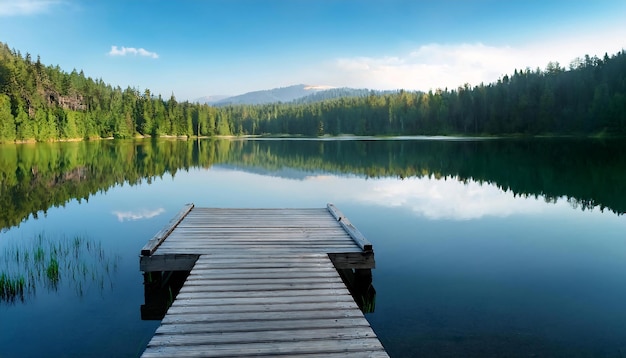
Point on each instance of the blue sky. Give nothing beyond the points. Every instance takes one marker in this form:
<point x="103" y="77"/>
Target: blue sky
<point x="195" y="48"/>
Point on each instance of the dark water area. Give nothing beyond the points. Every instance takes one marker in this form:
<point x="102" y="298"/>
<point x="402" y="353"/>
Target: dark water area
<point x="484" y="248"/>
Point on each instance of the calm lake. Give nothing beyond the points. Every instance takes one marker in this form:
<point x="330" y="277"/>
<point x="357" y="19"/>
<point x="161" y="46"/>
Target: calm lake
<point x="484" y="248"/>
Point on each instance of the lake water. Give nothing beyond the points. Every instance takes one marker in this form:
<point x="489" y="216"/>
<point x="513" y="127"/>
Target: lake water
<point x="484" y="248"/>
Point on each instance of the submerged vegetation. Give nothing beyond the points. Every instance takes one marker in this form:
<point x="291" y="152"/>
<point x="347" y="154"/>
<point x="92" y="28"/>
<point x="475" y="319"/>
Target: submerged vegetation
<point x="46" y="263"/>
<point x="11" y="288"/>
<point x="43" y="103"/>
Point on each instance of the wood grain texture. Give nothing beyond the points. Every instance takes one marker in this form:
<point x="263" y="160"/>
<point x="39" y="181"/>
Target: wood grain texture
<point x="154" y="243"/>
<point x="262" y="284"/>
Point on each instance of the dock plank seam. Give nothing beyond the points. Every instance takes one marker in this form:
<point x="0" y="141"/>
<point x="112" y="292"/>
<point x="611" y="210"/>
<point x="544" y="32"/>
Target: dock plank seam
<point x="259" y="296"/>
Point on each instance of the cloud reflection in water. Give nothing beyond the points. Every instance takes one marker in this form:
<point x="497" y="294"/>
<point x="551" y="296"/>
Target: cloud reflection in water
<point x="448" y="198"/>
<point x="137" y="215"/>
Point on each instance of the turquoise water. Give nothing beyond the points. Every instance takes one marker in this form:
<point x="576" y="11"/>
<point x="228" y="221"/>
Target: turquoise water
<point x="469" y="261"/>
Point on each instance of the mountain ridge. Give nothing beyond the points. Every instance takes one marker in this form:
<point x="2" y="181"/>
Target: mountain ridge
<point x="300" y="93"/>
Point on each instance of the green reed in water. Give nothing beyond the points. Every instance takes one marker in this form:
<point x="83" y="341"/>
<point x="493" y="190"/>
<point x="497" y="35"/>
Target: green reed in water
<point x="50" y="263"/>
<point x="11" y="288"/>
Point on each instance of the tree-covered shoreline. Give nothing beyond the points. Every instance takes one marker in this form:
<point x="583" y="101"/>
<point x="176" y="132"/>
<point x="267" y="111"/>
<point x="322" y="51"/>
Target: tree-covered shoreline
<point x="43" y="103"/>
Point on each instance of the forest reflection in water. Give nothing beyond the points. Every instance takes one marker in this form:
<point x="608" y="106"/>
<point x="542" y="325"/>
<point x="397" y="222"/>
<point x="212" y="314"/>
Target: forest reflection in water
<point x="484" y="247"/>
<point x="586" y="173"/>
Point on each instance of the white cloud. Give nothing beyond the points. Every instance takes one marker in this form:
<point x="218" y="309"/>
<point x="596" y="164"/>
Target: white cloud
<point x="452" y="65"/>
<point x="123" y="51"/>
<point x="137" y="215"/>
<point x="26" y="7"/>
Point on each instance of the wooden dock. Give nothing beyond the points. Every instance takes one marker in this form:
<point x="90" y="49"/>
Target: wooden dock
<point x="263" y="282"/>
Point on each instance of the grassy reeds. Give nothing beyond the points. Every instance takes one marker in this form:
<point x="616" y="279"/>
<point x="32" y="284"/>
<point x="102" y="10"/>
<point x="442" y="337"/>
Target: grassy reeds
<point x="52" y="263"/>
<point x="11" y="288"/>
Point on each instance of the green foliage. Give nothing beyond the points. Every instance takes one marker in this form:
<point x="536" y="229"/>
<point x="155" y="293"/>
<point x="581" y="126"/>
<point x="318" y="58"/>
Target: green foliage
<point x="586" y="99"/>
<point x="7" y="122"/>
<point x="45" y="103"/>
<point x="25" y="126"/>
<point x="52" y="271"/>
<point x="11" y="288"/>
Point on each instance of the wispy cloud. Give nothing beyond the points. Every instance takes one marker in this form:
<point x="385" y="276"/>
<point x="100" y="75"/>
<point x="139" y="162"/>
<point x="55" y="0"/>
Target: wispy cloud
<point x="26" y="7"/>
<point x="452" y="65"/>
<point x="123" y="51"/>
<point x="137" y="215"/>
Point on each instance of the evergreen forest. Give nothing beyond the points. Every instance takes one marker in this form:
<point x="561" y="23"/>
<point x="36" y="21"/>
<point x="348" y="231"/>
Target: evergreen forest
<point x="41" y="102"/>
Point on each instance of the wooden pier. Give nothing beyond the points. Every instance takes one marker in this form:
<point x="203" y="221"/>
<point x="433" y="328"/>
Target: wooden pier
<point x="263" y="282"/>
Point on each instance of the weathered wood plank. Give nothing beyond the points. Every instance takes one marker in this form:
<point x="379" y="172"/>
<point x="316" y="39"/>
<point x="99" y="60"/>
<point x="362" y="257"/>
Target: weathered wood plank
<point x="225" y="233"/>
<point x="154" y="243"/>
<point x="188" y="307"/>
<point x="270" y="250"/>
<point x="293" y="277"/>
<point x="263" y="237"/>
<point x="362" y="354"/>
<point x="348" y="347"/>
<point x="353" y="260"/>
<point x="350" y="229"/>
<point x="292" y="240"/>
<point x="266" y="285"/>
<point x="272" y="300"/>
<point x="332" y="234"/>
<point x="171" y="262"/>
<point x="263" y="272"/>
<point x="340" y="333"/>
<point x="257" y="317"/>
<point x="207" y="293"/>
<point x="295" y="282"/>
<point x="231" y="259"/>
<point x="260" y="250"/>
<point x="225" y="327"/>
<point x="365" y="354"/>
<point x="249" y="261"/>
<point x="259" y="242"/>
<point x="199" y="353"/>
<point x="263" y="283"/>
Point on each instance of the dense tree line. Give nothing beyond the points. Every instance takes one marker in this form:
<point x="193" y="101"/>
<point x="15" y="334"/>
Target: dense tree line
<point x="43" y="103"/>
<point x="588" y="97"/>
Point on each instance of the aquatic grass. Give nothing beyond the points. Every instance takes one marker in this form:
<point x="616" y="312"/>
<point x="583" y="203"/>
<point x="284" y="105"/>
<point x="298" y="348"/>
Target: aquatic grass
<point x="51" y="263"/>
<point x="38" y="255"/>
<point x="368" y="304"/>
<point x="170" y="298"/>
<point x="12" y="288"/>
<point x="52" y="271"/>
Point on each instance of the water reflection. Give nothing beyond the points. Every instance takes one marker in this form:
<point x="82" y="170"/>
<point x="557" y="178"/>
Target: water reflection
<point x="448" y="198"/>
<point x="137" y="215"/>
<point x="544" y="280"/>
<point x="583" y="173"/>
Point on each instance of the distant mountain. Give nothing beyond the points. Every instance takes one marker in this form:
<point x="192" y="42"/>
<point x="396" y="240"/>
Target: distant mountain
<point x="282" y="94"/>
<point x="338" y="93"/>
<point x="210" y="99"/>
